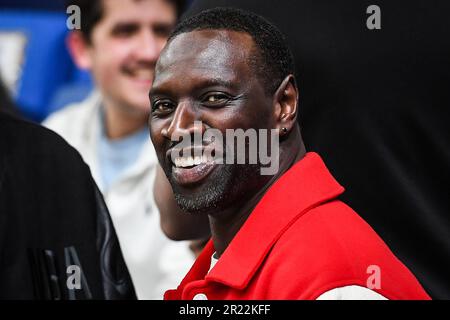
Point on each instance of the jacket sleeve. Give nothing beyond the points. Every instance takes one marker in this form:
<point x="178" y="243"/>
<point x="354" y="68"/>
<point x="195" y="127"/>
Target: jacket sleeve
<point x="117" y="284"/>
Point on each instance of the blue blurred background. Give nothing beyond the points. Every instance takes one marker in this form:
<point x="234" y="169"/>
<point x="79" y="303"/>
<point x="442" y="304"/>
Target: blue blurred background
<point x="34" y="61"/>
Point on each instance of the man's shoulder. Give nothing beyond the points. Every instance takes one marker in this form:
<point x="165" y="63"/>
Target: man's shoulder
<point x="28" y="137"/>
<point x="332" y="220"/>
<point x="27" y="146"/>
<point x="328" y="232"/>
<point x="321" y="250"/>
<point x="331" y="246"/>
<point x="73" y="117"/>
<point x="333" y="233"/>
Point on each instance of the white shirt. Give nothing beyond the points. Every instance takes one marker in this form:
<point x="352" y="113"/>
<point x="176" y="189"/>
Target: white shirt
<point x="149" y="254"/>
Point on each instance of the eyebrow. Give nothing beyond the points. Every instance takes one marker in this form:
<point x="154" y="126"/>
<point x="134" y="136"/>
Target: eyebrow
<point x="132" y="24"/>
<point x="125" y="23"/>
<point x="209" y="82"/>
<point x="214" y="82"/>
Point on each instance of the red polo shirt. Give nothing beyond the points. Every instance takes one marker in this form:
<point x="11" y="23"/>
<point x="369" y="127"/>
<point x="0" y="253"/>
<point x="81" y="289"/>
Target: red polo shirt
<point x="298" y="243"/>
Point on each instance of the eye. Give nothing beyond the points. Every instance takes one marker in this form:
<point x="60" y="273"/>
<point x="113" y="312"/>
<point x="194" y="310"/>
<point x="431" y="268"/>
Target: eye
<point x="162" y="107"/>
<point x="215" y="99"/>
<point x="124" y="30"/>
<point x="162" y="30"/>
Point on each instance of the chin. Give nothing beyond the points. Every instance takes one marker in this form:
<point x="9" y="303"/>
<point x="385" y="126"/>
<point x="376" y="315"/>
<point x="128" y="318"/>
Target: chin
<point x="214" y="195"/>
<point x="199" y="205"/>
<point x="138" y="108"/>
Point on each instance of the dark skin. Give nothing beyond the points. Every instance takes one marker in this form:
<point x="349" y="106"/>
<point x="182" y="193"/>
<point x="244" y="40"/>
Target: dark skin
<point x="177" y="224"/>
<point x="212" y="82"/>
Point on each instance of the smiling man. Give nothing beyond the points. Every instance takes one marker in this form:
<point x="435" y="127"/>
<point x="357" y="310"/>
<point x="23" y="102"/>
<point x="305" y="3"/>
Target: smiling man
<point x="279" y="236"/>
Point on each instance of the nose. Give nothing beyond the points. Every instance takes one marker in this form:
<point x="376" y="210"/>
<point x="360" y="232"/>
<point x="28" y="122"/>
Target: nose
<point x="185" y="122"/>
<point x="148" y="46"/>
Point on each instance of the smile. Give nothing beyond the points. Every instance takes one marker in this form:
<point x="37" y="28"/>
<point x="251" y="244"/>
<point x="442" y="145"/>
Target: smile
<point x="184" y="162"/>
<point x="142" y="76"/>
<point x="190" y="169"/>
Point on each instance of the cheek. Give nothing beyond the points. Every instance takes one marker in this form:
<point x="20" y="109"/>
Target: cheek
<point x="155" y="128"/>
<point x="161" y="42"/>
<point x="109" y="59"/>
<point x="232" y="118"/>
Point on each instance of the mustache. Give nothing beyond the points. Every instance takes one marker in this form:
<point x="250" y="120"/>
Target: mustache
<point x="172" y="143"/>
<point x="139" y="66"/>
<point x="196" y="149"/>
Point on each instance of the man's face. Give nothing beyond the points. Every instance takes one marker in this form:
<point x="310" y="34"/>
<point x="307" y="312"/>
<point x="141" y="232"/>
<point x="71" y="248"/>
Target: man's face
<point x="205" y="76"/>
<point x="125" y="46"/>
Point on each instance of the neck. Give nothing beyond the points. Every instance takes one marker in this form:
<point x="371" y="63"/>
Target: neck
<point x="119" y="122"/>
<point x="225" y="224"/>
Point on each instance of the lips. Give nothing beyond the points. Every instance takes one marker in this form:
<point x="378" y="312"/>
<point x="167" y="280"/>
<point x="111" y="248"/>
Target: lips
<point x="194" y="174"/>
<point x="191" y="168"/>
<point x="142" y="76"/>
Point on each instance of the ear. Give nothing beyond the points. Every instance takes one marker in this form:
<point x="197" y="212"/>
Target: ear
<point x="79" y="49"/>
<point x="286" y="105"/>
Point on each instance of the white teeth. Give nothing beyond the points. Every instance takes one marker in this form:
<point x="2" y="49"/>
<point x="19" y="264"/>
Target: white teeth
<point x="190" y="161"/>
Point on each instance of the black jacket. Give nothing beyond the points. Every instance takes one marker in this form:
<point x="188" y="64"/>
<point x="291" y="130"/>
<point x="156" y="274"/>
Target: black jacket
<point x="56" y="237"/>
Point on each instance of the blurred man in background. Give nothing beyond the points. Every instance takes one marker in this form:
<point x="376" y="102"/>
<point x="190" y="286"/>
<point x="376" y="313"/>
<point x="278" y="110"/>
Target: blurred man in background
<point x="119" y="42"/>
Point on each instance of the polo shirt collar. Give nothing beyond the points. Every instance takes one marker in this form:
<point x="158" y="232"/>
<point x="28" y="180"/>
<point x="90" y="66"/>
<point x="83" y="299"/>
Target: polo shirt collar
<point x="304" y="186"/>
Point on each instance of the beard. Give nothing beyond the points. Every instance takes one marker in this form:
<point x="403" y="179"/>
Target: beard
<point x="228" y="185"/>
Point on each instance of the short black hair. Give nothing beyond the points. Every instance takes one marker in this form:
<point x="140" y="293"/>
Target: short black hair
<point x="92" y="13"/>
<point x="274" y="61"/>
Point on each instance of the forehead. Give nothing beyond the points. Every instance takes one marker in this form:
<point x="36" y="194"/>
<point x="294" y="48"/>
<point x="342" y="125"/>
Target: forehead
<point x="205" y="54"/>
<point x="138" y="10"/>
